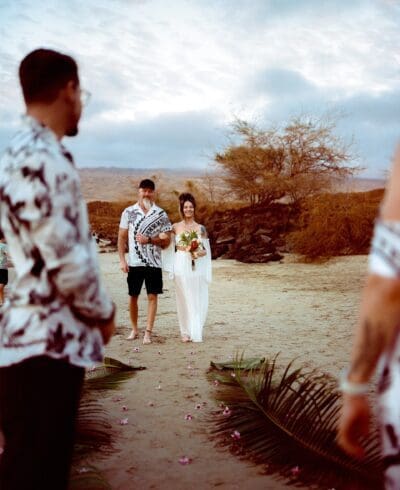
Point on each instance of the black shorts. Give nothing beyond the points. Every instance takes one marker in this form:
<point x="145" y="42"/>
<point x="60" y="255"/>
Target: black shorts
<point x="152" y="277"/>
<point x="3" y="276"/>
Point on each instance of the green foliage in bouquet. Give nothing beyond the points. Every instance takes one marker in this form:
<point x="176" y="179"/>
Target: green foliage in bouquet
<point x="187" y="237"/>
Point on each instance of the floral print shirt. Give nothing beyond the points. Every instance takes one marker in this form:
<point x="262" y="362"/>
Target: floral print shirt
<point x="154" y="222"/>
<point x="56" y="302"/>
<point x="3" y="255"/>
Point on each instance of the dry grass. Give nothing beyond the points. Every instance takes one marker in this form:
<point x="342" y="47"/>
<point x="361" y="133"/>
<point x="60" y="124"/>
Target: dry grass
<point x="109" y="191"/>
<point x="328" y="225"/>
<point x="336" y="224"/>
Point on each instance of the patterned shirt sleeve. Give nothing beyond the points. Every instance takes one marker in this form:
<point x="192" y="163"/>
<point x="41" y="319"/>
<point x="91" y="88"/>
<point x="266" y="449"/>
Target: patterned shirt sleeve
<point x="124" y="220"/>
<point x="54" y="217"/>
<point x="165" y="224"/>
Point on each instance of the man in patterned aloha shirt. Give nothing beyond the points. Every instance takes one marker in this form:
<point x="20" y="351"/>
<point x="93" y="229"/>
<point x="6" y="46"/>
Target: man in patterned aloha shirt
<point x="58" y="315"/>
<point x="144" y="230"/>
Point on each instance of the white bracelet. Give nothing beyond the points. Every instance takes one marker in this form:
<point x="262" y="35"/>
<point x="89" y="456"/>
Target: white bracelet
<point x="384" y="256"/>
<point x="350" y="388"/>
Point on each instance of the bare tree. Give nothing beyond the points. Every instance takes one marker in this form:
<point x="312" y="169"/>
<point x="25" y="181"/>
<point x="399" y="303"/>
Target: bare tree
<point x="298" y="160"/>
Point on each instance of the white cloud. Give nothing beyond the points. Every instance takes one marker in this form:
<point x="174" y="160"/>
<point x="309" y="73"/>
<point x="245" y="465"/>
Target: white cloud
<point x="147" y="60"/>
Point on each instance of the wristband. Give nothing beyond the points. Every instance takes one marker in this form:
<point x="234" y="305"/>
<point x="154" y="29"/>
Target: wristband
<point x="384" y="257"/>
<point x="350" y="388"/>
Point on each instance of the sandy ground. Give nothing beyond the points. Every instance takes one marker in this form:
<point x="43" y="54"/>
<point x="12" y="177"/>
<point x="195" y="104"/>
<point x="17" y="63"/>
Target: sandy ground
<point x="300" y="310"/>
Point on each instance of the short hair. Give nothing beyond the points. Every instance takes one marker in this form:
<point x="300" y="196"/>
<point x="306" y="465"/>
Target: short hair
<point x="185" y="197"/>
<point x="147" y="184"/>
<point x="44" y="72"/>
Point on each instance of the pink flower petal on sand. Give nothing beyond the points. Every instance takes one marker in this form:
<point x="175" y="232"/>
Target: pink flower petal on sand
<point x="136" y="349"/>
<point x="185" y="460"/>
<point x="151" y="404"/>
<point x="123" y="422"/>
<point x="295" y="470"/>
<point x="235" y="435"/>
<point x="227" y="411"/>
<point x="124" y="408"/>
<point x="190" y="367"/>
<point x="198" y="407"/>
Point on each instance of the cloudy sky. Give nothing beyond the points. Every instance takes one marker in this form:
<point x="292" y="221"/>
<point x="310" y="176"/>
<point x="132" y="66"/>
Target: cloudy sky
<point x="167" y="77"/>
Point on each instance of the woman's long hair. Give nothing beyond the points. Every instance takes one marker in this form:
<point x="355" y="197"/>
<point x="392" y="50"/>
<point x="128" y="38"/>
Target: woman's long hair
<point x="185" y="197"/>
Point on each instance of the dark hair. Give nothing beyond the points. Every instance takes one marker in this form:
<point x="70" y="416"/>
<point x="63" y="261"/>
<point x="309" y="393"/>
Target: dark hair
<point x="185" y="197"/>
<point x="44" y="72"/>
<point x="147" y="184"/>
<point x="1" y="234"/>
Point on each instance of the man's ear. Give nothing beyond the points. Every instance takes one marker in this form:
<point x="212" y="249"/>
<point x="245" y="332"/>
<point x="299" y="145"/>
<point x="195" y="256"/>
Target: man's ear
<point x="70" y="90"/>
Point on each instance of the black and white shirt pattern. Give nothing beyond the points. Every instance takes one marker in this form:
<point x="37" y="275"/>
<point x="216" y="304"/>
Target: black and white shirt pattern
<point x="153" y="223"/>
<point x="389" y="414"/>
<point x="57" y="299"/>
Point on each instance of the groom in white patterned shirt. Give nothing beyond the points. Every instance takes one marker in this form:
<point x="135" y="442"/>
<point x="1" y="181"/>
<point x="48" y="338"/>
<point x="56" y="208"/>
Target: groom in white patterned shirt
<point x="58" y="315"/>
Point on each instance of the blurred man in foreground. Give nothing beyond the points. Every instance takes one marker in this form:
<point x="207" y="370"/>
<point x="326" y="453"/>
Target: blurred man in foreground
<point x="58" y="315"/>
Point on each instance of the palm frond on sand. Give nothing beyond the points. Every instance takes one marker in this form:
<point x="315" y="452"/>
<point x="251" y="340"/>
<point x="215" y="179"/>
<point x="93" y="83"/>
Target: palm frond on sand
<point x="109" y="375"/>
<point x="243" y="364"/>
<point x="93" y="429"/>
<point x="286" y="421"/>
<point x="88" y="478"/>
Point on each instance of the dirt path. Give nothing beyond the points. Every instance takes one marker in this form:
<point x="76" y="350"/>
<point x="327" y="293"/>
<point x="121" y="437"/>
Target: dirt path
<point x="299" y="310"/>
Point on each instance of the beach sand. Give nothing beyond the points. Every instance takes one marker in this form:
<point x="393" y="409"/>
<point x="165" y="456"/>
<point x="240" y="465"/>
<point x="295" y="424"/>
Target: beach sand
<point x="300" y="310"/>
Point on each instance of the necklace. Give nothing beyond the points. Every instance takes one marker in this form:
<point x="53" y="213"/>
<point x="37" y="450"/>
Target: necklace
<point x="189" y="226"/>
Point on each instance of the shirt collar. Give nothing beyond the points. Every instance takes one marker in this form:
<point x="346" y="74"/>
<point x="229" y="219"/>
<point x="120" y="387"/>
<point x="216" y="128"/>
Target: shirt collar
<point x="46" y="133"/>
<point x="38" y="127"/>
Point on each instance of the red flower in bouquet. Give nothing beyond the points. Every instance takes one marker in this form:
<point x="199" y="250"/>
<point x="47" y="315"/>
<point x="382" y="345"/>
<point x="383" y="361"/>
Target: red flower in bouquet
<point x="192" y="242"/>
<point x="194" y="245"/>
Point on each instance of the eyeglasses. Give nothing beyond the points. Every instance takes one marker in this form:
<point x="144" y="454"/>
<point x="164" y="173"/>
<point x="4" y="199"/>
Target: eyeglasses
<point x="85" y="96"/>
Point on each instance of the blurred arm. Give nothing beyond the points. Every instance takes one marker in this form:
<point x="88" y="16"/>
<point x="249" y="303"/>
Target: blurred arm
<point x="378" y="321"/>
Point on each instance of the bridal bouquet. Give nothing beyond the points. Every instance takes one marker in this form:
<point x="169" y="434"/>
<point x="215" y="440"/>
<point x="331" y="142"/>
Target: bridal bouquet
<point x="191" y="241"/>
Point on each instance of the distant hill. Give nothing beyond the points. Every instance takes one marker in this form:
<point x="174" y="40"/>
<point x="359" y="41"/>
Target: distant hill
<point x="358" y="184"/>
<point x="120" y="184"/>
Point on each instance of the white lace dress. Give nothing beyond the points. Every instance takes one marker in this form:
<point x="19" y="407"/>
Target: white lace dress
<point x="191" y="288"/>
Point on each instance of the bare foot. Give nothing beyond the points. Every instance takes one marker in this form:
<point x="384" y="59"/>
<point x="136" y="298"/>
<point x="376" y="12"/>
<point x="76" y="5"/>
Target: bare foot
<point x="147" y="337"/>
<point x="133" y="336"/>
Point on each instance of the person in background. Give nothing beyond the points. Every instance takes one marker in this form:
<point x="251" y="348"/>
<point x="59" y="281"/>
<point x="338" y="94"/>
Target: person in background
<point x="191" y="271"/>
<point x="144" y="230"/>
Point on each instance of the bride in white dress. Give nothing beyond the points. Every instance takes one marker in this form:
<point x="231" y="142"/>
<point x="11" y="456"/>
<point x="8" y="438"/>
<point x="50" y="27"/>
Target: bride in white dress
<point x="191" y="272"/>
